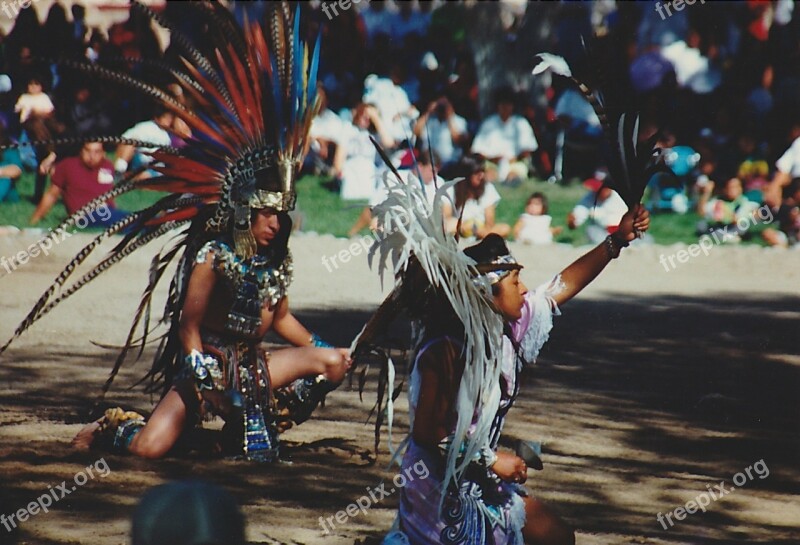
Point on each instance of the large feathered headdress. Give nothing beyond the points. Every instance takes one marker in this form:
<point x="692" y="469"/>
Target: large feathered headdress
<point x="253" y="103"/>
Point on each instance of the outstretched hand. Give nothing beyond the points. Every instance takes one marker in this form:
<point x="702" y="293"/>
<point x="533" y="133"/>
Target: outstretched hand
<point x="633" y="222"/>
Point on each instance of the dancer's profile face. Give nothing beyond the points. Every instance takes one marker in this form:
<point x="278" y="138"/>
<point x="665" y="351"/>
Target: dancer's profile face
<point x="265" y="226"/>
<point x="510" y="296"/>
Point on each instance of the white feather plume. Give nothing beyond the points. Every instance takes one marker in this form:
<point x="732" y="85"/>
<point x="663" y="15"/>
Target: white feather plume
<point x="412" y="227"/>
<point x="552" y="62"/>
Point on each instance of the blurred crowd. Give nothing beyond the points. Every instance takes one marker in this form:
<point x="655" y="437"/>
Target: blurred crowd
<point x="719" y="81"/>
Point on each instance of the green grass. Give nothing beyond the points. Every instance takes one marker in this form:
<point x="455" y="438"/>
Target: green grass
<point x="324" y="212"/>
<point x="19" y="213"/>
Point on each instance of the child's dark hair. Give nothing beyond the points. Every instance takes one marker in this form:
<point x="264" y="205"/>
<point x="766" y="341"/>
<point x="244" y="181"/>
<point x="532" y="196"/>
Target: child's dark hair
<point x="487" y="250"/>
<point x="542" y="197"/>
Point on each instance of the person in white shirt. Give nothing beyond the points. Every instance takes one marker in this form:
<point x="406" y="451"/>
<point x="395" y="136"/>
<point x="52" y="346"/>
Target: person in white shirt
<point x="474" y="201"/>
<point x="327" y="128"/>
<point x="788" y="168"/>
<point x="446" y="130"/>
<point x="354" y="162"/>
<point x="601" y="207"/>
<point x="396" y="110"/>
<point x="153" y="131"/>
<point x="422" y="172"/>
<point x="506" y="141"/>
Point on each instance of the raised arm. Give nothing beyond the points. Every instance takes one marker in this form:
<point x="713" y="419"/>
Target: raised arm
<point x="586" y="268"/>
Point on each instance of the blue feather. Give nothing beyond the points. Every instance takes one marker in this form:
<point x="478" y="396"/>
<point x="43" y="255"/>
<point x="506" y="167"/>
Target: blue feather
<point x="312" y="73"/>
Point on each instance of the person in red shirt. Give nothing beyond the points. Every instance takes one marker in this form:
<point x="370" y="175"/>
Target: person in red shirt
<point x="79" y="180"/>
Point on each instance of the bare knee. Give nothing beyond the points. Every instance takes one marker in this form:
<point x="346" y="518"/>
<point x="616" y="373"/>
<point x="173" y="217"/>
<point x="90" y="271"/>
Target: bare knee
<point x="147" y="447"/>
<point x="544" y="527"/>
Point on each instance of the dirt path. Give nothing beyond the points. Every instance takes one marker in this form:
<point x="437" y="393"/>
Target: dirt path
<point x="654" y="385"/>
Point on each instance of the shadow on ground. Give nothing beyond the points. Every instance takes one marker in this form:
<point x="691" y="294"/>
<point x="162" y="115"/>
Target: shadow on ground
<point x="641" y="402"/>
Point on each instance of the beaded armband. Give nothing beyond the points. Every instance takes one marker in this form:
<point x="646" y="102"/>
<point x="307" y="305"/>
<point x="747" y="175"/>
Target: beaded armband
<point x="205" y="370"/>
<point x="614" y="246"/>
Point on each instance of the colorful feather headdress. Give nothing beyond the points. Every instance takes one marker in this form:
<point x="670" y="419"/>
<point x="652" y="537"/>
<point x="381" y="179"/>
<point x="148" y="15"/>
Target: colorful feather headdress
<point x="254" y="101"/>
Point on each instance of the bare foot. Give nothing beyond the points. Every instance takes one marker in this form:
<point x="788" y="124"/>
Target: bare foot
<point x="83" y="441"/>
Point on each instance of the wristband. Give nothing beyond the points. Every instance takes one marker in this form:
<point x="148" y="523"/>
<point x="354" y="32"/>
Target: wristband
<point x="317" y="341"/>
<point x="120" y="165"/>
<point x="205" y="370"/>
<point x="614" y="246"/>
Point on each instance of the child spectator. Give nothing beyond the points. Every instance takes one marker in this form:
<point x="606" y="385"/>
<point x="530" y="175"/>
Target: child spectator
<point x="722" y="212"/>
<point x="475" y="201"/>
<point x="37" y="117"/>
<point x="534" y="225"/>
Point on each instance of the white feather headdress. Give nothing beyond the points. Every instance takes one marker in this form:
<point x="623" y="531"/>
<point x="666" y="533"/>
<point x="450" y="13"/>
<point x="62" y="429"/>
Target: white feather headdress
<point x="413" y="230"/>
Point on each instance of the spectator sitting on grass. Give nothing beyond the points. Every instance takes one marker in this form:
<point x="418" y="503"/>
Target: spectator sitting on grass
<point x="354" y="162"/>
<point x="788" y="233"/>
<point x="721" y="213"/>
<point x="534" y="226"/>
<point x="155" y="131"/>
<point x="10" y="169"/>
<point x="446" y="130"/>
<point x="79" y="180"/>
<point x="601" y="208"/>
<point x="475" y="203"/>
<point x="37" y="117"/>
<point x="424" y="170"/>
<point x="506" y="141"/>
<point x="326" y="130"/>
<point x="788" y="167"/>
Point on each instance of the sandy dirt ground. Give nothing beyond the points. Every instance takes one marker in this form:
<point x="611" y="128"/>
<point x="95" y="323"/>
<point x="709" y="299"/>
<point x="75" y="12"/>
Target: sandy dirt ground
<point x="654" y="387"/>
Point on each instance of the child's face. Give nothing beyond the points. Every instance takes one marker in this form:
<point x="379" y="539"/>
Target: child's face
<point x="732" y="189"/>
<point x="34" y="88"/>
<point x="535" y="207"/>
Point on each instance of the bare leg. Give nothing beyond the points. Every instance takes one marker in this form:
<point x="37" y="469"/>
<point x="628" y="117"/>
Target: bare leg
<point x="157" y="437"/>
<point x="544" y="527"/>
<point x="166" y="424"/>
<point x="363" y="221"/>
<point x="290" y="364"/>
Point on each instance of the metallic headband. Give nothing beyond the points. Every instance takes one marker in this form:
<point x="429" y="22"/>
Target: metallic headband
<point x="495" y="271"/>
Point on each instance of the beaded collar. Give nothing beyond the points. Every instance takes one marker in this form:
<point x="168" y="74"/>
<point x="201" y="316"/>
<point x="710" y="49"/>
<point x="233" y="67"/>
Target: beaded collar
<point x="254" y="283"/>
